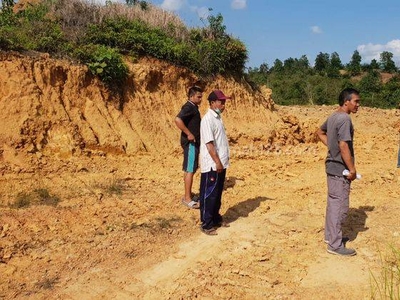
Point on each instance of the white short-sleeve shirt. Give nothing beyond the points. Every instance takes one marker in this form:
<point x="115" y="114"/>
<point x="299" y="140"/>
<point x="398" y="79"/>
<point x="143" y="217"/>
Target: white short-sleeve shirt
<point x="212" y="130"/>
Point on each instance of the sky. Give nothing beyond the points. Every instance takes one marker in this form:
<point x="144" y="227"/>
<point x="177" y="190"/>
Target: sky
<point x="282" y="29"/>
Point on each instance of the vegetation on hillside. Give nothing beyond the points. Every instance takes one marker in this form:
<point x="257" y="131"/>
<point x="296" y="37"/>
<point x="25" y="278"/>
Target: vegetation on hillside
<point x="295" y="82"/>
<point x="99" y="36"/>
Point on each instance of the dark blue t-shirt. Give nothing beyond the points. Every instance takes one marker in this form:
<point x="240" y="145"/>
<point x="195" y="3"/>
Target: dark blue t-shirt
<point x="190" y="116"/>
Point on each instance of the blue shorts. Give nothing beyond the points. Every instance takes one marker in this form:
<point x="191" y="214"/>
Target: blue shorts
<point x="190" y="158"/>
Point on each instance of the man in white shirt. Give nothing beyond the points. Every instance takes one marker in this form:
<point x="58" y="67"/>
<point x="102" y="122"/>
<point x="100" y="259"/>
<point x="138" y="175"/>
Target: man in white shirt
<point x="214" y="159"/>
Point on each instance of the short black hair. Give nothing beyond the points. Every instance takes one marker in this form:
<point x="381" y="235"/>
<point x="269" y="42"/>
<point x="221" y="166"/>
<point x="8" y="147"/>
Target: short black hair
<point x="346" y="95"/>
<point x="193" y="90"/>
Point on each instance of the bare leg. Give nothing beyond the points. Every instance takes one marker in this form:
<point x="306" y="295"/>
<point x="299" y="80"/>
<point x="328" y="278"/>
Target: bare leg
<point x="188" y="179"/>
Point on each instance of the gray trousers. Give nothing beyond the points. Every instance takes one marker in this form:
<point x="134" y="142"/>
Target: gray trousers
<point x="337" y="208"/>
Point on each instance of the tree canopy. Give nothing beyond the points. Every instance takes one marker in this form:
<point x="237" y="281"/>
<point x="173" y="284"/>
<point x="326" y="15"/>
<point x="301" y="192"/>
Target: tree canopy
<point x="294" y="81"/>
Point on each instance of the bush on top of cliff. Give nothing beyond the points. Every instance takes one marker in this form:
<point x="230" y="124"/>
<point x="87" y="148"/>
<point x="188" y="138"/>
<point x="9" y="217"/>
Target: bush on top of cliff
<point x="73" y="28"/>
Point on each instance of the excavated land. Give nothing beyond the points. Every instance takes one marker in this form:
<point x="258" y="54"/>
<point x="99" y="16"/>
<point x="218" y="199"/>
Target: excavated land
<point x="91" y="184"/>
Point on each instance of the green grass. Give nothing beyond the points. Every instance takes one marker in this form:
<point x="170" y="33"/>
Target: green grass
<point x="386" y="285"/>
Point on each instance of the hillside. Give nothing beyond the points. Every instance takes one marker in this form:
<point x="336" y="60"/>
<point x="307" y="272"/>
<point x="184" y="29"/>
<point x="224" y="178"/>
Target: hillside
<point x="62" y="110"/>
<point x="114" y="164"/>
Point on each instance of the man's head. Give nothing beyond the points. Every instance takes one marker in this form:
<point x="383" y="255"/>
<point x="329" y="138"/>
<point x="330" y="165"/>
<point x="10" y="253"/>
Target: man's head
<point x="195" y="94"/>
<point x="349" y="100"/>
<point x="217" y="100"/>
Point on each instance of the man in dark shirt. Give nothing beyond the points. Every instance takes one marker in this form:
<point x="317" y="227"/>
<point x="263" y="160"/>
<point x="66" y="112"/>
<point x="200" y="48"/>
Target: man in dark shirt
<point x="337" y="134"/>
<point x="188" y="121"/>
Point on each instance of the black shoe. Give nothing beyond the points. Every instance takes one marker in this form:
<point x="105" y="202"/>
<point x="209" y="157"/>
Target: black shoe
<point x="342" y="251"/>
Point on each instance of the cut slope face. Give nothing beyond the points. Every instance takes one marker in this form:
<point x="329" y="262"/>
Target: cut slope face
<point x="53" y="108"/>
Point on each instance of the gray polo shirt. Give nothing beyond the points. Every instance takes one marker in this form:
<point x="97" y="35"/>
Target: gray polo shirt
<point x="338" y="127"/>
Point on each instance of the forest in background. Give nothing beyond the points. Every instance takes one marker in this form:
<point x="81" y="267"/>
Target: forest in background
<point x="101" y="36"/>
<point x="296" y="82"/>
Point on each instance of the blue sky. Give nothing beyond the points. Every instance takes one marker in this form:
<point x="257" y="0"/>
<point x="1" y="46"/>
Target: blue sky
<point x="280" y="29"/>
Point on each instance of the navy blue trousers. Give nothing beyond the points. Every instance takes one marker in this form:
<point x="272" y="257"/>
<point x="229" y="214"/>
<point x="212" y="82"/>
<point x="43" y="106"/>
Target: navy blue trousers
<point x="211" y="187"/>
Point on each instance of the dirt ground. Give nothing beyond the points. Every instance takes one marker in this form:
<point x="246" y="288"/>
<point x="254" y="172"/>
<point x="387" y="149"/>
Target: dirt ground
<point x="120" y="231"/>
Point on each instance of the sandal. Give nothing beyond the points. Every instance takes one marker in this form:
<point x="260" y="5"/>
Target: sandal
<point x="222" y="224"/>
<point x="210" y="231"/>
<point x="192" y="204"/>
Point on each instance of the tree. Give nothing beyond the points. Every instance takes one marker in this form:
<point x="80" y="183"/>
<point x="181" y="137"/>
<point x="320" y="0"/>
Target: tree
<point x="354" y="67"/>
<point x="7" y="4"/>
<point x="278" y="66"/>
<point x="143" y="4"/>
<point x="264" y="68"/>
<point x="386" y="62"/>
<point x="7" y="16"/>
<point x="259" y="75"/>
<point x="391" y="92"/>
<point x="303" y="63"/>
<point x="289" y="64"/>
<point x="335" y="65"/>
<point x="322" y="63"/>
<point x="216" y="26"/>
<point x="370" y="87"/>
<point x="374" y="64"/>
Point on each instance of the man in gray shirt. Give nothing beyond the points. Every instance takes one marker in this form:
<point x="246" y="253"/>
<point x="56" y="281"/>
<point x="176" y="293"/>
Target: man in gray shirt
<point x="337" y="134"/>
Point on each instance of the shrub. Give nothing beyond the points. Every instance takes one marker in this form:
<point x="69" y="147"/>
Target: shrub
<point x="104" y="62"/>
<point x="101" y="33"/>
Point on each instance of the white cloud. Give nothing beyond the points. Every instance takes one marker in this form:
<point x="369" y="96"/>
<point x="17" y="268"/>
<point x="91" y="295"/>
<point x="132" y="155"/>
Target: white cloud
<point x="316" y="29"/>
<point x="172" y="5"/>
<point x="202" y="12"/>
<point x="238" y="4"/>
<point x="373" y="51"/>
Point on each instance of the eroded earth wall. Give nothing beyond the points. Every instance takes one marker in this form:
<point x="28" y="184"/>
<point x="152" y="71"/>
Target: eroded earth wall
<point x="57" y="108"/>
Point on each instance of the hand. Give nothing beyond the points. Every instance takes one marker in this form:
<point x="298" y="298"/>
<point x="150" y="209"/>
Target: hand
<point x="352" y="176"/>
<point x="191" y="138"/>
<point x="219" y="167"/>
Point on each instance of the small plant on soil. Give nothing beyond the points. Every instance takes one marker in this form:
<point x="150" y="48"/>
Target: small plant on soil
<point x="166" y="223"/>
<point x="387" y="284"/>
<point x="37" y="197"/>
<point x="23" y="200"/>
<point x="115" y="187"/>
<point x="47" y="283"/>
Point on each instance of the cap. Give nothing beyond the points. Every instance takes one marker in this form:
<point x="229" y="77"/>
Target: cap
<point x="217" y="95"/>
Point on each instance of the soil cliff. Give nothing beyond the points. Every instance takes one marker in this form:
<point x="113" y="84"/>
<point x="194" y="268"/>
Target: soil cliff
<point x="55" y="108"/>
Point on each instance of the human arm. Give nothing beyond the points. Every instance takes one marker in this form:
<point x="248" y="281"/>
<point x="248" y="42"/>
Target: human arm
<point x="347" y="159"/>
<point x="179" y="123"/>
<point x="322" y="136"/>
<point x="214" y="155"/>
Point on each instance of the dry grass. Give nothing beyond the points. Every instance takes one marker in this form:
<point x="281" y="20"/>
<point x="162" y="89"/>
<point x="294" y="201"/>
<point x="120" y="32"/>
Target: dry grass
<point x="40" y="196"/>
<point x="78" y="14"/>
<point x="386" y="285"/>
